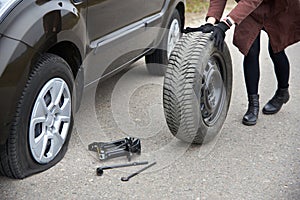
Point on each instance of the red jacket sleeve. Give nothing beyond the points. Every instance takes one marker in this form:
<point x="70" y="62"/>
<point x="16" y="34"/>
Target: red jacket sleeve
<point x="216" y="9"/>
<point x="238" y="13"/>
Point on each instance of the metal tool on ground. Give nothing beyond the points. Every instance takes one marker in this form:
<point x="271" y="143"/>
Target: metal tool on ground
<point x="124" y="147"/>
<point x="99" y="170"/>
<point x="136" y="173"/>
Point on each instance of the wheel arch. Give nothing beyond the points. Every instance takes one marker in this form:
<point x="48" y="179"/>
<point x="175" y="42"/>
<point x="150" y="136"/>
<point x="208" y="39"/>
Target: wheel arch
<point x="72" y="55"/>
<point x="181" y="9"/>
<point x="47" y="26"/>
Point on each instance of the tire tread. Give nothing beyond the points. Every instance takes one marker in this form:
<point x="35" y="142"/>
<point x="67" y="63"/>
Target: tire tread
<point x="179" y="83"/>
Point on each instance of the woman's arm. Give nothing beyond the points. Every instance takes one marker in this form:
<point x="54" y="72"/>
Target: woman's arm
<point x="215" y="10"/>
<point x="237" y="14"/>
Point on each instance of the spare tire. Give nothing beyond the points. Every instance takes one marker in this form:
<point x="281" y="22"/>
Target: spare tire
<point x="197" y="88"/>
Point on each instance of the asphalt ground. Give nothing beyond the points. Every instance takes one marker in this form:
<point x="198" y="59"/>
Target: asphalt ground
<point x="257" y="162"/>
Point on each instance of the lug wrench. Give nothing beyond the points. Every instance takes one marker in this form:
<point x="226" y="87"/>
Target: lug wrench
<point x="99" y="170"/>
<point x="136" y="173"/>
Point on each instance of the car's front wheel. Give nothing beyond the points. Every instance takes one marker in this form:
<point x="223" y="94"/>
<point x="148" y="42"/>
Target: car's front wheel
<point x="43" y="121"/>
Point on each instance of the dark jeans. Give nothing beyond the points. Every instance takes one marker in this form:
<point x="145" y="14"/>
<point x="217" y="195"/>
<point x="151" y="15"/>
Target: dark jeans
<point x="251" y="67"/>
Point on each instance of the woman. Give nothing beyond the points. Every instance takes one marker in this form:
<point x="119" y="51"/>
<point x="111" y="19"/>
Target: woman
<point x="281" y="20"/>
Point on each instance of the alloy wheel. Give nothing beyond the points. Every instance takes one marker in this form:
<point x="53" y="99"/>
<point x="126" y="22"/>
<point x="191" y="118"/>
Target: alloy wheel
<point x="50" y="120"/>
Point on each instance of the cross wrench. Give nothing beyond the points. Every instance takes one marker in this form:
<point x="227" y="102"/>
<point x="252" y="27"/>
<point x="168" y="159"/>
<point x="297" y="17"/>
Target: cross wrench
<point x="100" y="169"/>
<point x="136" y="173"/>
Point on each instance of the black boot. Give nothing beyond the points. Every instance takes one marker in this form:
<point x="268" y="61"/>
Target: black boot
<point x="251" y="115"/>
<point x="274" y="105"/>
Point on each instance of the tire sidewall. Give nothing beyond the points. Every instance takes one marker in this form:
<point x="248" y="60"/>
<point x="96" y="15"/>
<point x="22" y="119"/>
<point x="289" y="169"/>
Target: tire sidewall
<point x="206" y="133"/>
<point x="44" y="71"/>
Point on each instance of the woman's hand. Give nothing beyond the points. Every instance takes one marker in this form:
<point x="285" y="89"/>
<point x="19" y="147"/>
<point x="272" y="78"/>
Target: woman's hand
<point x="219" y="35"/>
<point x="206" y="28"/>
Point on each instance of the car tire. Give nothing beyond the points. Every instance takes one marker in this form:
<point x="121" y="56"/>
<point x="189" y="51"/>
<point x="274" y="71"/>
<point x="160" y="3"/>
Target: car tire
<point x="157" y="61"/>
<point x="197" y="88"/>
<point x="43" y="122"/>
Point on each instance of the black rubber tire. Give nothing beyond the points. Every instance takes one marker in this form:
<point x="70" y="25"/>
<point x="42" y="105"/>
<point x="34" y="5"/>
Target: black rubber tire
<point x="157" y="61"/>
<point x="16" y="160"/>
<point x="185" y="89"/>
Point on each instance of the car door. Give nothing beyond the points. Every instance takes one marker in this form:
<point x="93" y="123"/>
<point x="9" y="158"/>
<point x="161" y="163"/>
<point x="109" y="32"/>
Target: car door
<point x="156" y="13"/>
<point x="111" y="28"/>
<point x="106" y="16"/>
<point x="153" y="6"/>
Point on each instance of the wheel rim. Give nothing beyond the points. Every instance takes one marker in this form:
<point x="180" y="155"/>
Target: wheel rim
<point x="212" y="93"/>
<point x="50" y="120"/>
<point x="173" y="36"/>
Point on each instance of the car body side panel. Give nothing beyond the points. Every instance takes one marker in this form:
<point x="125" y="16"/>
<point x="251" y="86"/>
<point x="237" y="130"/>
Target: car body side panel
<point x="107" y="16"/>
<point x="114" y="29"/>
<point x="111" y="52"/>
<point x="154" y="6"/>
<point x="129" y="43"/>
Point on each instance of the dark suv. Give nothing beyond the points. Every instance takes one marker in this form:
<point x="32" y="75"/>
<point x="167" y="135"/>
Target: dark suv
<point x="50" y="50"/>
